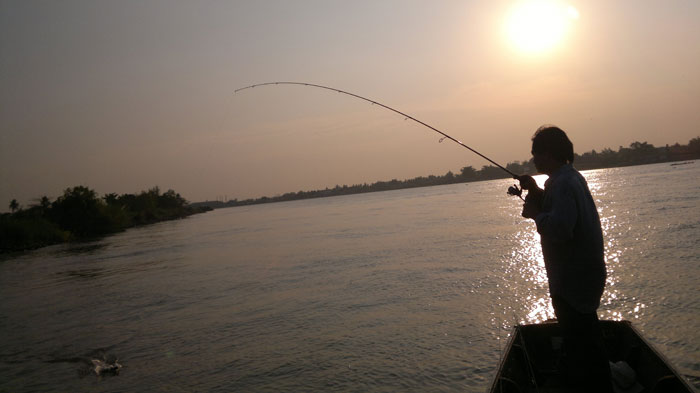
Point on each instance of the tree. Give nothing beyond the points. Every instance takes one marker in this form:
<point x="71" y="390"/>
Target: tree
<point x="170" y="200"/>
<point x="468" y="173"/>
<point x="14" y="205"/>
<point x="489" y="172"/>
<point x="45" y="203"/>
<point x="111" y="198"/>
<point x="641" y="146"/>
<point x="80" y="211"/>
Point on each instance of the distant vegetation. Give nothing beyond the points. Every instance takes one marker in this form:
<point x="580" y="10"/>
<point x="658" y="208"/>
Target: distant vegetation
<point x="637" y="153"/>
<point x="80" y="214"/>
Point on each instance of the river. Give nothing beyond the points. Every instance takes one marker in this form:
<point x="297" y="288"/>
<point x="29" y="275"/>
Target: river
<point x="412" y="290"/>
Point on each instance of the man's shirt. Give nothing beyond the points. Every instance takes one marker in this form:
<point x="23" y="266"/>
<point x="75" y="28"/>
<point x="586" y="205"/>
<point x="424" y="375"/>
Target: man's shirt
<point x="572" y="240"/>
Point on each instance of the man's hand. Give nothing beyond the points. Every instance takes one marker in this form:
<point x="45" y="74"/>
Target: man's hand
<point x="531" y="208"/>
<point x="527" y="182"/>
<point x="533" y="201"/>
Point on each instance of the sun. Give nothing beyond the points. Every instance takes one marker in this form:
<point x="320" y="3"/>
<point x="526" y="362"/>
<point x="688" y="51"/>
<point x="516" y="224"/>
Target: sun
<point x="538" y="26"/>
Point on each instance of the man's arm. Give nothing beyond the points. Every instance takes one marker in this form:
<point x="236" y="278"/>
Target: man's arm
<point x="533" y="200"/>
<point x="559" y="222"/>
<point x="533" y="205"/>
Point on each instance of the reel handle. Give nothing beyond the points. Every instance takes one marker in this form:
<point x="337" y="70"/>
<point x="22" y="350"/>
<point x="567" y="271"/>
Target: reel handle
<point x="514" y="190"/>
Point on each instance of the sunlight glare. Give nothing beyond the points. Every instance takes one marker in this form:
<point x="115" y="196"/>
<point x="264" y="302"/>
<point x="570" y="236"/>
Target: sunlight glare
<point x="538" y="26"/>
<point x="572" y="12"/>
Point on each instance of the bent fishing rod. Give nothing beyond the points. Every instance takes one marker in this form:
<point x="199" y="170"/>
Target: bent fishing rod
<point x="511" y="191"/>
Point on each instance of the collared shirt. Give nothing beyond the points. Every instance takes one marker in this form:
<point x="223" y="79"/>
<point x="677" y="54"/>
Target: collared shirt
<point x="572" y="240"/>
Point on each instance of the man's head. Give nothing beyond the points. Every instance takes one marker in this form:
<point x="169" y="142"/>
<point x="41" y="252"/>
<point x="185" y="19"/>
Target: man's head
<point x="551" y="149"/>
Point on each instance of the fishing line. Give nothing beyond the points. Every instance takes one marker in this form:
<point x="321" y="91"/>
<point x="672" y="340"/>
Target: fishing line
<point x="406" y="116"/>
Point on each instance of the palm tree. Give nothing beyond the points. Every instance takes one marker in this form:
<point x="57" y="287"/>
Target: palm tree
<point x="45" y="202"/>
<point x="14" y="205"/>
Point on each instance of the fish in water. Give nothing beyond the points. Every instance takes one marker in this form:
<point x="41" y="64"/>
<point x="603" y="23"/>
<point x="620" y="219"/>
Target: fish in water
<point x="106" y="366"/>
<point x="97" y="362"/>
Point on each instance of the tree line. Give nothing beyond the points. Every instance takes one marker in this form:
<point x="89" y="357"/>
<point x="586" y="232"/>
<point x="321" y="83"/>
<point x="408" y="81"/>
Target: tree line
<point x="638" y="153"/>
<point x="81" y="214"/>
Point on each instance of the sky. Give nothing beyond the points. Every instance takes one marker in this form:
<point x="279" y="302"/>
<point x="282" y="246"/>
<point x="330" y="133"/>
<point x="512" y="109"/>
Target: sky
<point x="121" y="96"/>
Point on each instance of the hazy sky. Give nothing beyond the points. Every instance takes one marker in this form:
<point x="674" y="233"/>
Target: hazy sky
<point x="124" y="95"/>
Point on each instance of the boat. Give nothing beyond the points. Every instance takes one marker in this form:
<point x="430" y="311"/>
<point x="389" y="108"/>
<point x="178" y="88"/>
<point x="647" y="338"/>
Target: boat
<point x="529" y="361"/>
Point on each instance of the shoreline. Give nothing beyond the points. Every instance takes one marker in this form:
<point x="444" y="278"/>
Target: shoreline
<point x="4" y="251"/>
<point x="80" y="214"/>
<point x="391" y="186"/>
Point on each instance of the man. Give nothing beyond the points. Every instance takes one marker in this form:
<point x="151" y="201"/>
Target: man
<point x="572" y="246"/>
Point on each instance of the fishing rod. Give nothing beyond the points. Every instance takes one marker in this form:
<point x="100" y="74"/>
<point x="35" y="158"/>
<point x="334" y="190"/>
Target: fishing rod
<point x="512" y="190"/>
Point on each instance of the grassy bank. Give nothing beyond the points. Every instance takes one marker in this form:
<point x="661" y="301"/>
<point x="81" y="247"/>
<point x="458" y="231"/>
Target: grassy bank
<point x="81" y="214"/>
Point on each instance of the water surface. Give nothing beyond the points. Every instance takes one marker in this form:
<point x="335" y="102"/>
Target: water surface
<point x="411" y="290"/>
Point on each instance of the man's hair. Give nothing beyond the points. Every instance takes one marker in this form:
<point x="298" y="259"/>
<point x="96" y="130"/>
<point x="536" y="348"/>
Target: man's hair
<point x="552" y="140"/>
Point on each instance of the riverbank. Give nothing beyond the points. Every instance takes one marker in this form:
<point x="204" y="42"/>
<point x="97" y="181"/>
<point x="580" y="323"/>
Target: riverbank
<point x="79" y="214"/>
<point x="468" y="175"/>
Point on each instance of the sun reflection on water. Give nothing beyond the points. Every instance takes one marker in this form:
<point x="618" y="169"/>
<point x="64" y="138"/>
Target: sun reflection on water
<point x="527" y="262"/>
<point x="526" y="277"/>
<point x="525" y="284"/>
<point x="615" y="222"/>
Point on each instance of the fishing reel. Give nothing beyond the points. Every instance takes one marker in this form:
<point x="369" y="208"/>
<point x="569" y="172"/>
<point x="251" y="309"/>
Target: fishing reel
<point x="514" y="190"/>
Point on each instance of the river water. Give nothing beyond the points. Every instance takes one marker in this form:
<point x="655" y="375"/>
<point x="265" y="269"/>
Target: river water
<point x="412" y="290"/>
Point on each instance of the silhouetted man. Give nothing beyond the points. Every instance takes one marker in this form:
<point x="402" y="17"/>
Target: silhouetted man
<point x="572" y="246"/>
